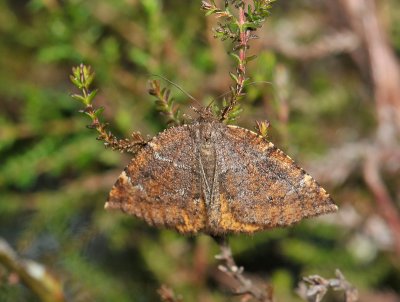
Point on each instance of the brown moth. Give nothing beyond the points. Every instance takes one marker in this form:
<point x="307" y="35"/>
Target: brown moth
<point x="217" y="179"/>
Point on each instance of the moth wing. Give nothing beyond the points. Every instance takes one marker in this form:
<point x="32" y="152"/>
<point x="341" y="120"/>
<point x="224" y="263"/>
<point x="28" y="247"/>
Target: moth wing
<point x="263" y="187"/>
<point x="159" y="185"/>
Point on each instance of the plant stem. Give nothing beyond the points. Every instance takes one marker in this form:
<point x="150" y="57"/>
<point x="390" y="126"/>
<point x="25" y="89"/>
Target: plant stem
<point x="230" y="268"/>
<point x="82" y="77"/>
<point x="244" y="33"/>
<point x="241" y="67"/>
<point x="34" y="275"/>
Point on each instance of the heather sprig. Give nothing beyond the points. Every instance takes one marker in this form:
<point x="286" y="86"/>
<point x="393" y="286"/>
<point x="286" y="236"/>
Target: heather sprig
<point x="165" y="103"/>
<point x="262" y="128"/>
<point x="82" y="77"/>
<point x="238" y="21"/>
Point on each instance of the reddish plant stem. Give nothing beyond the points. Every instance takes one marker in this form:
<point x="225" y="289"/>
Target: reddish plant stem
<point x="241" y="69"/>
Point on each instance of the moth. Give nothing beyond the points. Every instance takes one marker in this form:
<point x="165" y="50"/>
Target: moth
<point x="217" y="179"/>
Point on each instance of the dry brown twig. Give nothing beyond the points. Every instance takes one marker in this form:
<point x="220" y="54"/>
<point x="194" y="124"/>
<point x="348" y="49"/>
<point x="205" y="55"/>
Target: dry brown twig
<point x="384" y="70"/>
<point x="381" y="153"/>
<point x="313" y="288"/>
<point x="230" y="269"/>
<point x="33" y="274"/>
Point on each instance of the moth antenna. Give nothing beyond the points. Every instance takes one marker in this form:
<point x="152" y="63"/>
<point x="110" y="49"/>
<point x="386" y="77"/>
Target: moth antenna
<point x="203" y="112"/>
<point x="249" y="84"/>
<point x="210" y="104"/>
<point x="178" y="87"/>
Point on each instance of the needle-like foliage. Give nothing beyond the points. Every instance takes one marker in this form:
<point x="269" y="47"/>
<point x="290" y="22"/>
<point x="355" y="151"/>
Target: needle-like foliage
<point x="237" y="22"/>
<point x="82" y="77"/>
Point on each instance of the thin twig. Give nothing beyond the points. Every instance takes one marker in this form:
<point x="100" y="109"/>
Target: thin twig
<point x="230" y="269"/>
<point x="165" y="104"/>
<point x="313" y="288"/>
<point x="385" y="73"/>
<point x="241" y="68"/>
<point x="385" y="203"/>
<point x="82" y="77"/>
<point x="239" y="27"/>
<point x="178" y="87"/>
<point x="33" y="274"/>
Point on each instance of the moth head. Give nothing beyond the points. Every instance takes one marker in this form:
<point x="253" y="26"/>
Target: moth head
<point x="206" y="135"/>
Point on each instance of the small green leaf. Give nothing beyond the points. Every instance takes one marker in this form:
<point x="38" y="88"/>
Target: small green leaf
<point x="76" y="72"/>
<point x="91" y="96"/>
<point x="236" y="57"/>
<point x="75" y="81"/>
<point x="90" y="114"/>
<point x="249" y="26"/>
<point x="234" y="77"/>
<point x="250" y="58"/>
<point x="246" y="81"/>
<point x="262" y="128"/>
<point x="211" y="11"/>
<point x="79" y="98"/>
<point x="89" y="79"/>
<point x="233" y="90"/>
<point x="98" y="112"/>
<point x="235" y="111"/>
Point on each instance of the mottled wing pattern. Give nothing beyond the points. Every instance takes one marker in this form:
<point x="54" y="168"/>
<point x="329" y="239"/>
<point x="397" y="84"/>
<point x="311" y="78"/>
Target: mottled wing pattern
<point x="262" y="187"/>
<point x="161" y="185"/>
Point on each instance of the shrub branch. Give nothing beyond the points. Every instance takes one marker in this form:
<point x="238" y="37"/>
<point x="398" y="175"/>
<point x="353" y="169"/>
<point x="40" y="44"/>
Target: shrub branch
<point x="313" y="288"/>
<point x="34" y="275"/>
<point x="239" y="28"/>
<point x="165" y="104"/>
<point x="229" y="267"/>
<point x="82" y="77"/>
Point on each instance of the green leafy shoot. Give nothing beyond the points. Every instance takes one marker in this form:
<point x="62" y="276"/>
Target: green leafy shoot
<point x="165" y="103"/>
<point x="82" y="77"/>
<point x="238" y="22"/>
<point x="262" y="128"/>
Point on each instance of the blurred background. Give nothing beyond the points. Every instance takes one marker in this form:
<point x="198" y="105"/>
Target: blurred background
<point x="333" y="100"/>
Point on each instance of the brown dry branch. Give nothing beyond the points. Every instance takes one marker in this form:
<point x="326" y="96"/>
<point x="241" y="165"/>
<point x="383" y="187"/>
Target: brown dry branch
<point x="372" y="159"/>
<point x="382" y="152"/>
<point x="385" y="203"/>
<point x="33" y="275"/>
<point x="313" y="288"/>
<point x="230" y="269"/>
<point x="385" y="73"/>
<point x="124" y="145"/>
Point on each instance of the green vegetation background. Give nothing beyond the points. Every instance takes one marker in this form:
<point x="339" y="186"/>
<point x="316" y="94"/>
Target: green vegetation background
<point x="55" y="177"/>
